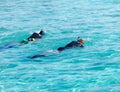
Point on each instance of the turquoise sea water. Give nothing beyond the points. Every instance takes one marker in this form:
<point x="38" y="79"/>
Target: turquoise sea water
<point x="96" y="68"/>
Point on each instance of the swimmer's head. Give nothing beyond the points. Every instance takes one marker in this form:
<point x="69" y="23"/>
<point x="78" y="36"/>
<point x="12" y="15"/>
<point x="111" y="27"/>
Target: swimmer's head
<point x="60" y="48"/>
<point x="81" y="41"/>
<point x="41" y="32"/>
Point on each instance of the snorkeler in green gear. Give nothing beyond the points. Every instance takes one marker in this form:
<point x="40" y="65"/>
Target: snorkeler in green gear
<point x="33" y="37"/>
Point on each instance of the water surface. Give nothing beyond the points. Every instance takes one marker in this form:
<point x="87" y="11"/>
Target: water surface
<point x="95" y="68"/>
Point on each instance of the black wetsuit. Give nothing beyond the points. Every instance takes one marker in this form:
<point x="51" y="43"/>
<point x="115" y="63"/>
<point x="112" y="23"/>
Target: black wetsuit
<point x="73" y="44"/>
<point x="25" y="41"/>
<point x="35" y="35"/>
<point x="30" y="38"/>
<point x="69" y="45"/>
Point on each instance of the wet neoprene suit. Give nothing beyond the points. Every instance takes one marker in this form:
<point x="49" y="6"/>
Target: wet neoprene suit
<point x="34" y="35"/>
<point x="73" y="44"/>
<point x="25" y="41"/>
<point x="69" y="45"/>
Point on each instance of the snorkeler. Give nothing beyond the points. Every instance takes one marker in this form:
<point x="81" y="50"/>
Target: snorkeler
<point x="78" y="43"/>
<point x="73" y="44"/>
<point x="33" y="37"/>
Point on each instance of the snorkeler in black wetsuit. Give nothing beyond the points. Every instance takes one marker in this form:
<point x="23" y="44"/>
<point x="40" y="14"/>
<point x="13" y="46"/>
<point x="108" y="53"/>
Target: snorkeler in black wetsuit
<point x="33" y="37"/>
<point x="36" y="35"/>
<point x="78" y="43"/>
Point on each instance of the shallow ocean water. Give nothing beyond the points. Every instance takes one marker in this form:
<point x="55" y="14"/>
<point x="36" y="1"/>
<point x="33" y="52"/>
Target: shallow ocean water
<point x="95" y="68"/>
